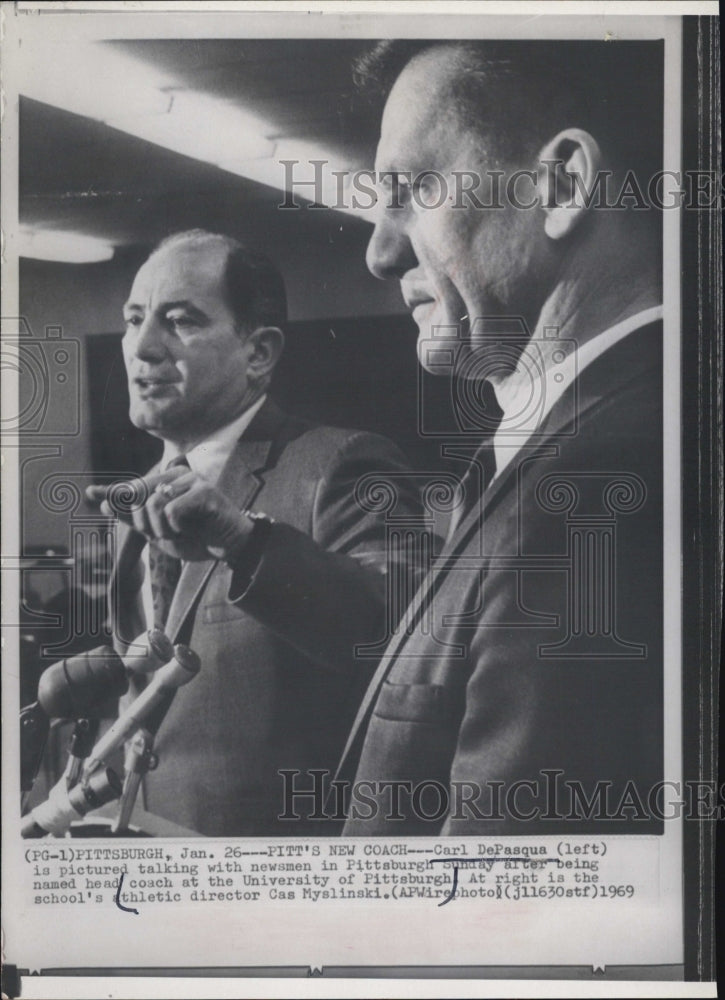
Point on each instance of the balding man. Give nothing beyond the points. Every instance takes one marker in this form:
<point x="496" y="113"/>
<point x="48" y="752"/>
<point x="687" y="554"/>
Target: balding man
<point x="537" y="658"/>
<point x="247" y="544"/>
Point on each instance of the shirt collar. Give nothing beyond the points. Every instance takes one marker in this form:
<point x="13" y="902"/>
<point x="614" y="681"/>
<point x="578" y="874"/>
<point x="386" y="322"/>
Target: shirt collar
<point x="545" y="370"/>
<point x="209" y="457"/>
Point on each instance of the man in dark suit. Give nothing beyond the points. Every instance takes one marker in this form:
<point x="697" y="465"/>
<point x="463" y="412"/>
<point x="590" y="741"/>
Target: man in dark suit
<point x="246" y="542"/>
<point x="529" y="697"/>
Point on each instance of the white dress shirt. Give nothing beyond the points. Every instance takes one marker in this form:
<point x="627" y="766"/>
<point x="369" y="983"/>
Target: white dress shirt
<point x="526" y="398"/>
<point x="207" y="459"/>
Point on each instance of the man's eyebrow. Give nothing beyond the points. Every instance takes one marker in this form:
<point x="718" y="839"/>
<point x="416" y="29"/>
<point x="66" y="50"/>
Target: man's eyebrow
<point x="165" y="307"/>
<point x="386" y="171"/>
<point x="181" y="304"/>
<point x="395" y="175"/>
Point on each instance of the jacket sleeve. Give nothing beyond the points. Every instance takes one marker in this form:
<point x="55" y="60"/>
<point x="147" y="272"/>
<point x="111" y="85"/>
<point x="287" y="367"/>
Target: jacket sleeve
<point x="329" y="594"/>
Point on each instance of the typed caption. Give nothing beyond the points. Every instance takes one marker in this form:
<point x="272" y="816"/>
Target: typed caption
<point x="132" y="876"/>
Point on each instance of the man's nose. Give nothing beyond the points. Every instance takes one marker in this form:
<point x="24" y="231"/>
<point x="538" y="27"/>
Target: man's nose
<point x="390" y="253"/>
<point x="150" y="342"/>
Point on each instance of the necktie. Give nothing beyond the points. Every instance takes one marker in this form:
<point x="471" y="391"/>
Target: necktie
<point x="164" y="570"/>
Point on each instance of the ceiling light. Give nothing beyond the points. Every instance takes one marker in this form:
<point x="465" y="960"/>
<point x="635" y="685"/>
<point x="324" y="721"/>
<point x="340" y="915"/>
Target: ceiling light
<point x="200" y="126"/>
<point x="302" y="169"/>
<point x="63" y="247"/>
<point x="137" y="97"/>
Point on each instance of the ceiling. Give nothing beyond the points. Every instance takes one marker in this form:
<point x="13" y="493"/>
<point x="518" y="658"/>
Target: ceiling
<point x="82" y="175"/>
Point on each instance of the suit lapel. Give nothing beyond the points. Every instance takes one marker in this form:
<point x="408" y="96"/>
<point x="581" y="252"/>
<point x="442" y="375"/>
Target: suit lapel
<point x="617" y="367"/>
<point x="608" y="375"/>
<point x="241" y="480"/>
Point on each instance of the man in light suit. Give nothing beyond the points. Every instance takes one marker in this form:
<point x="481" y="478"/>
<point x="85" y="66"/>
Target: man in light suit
<point x="535" y="670"/>
<point x="247" y="542"/>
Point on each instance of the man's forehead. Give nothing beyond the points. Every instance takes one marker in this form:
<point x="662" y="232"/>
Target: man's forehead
<point x="188" y="268"/>
<point x="420" y="107"/>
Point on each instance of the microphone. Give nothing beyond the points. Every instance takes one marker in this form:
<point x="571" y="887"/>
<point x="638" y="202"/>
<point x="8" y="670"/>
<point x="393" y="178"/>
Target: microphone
<point x="83" y="687"/>
<point x="64" y="805"/>
<point x="77" y="687"/>
<point x="183" y="668"/>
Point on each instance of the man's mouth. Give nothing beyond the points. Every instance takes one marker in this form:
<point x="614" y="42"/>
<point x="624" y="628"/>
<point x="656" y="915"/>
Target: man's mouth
<point x="416" y="298"/>
<point x="152" y="386"/>
<point x="419" y="306"/>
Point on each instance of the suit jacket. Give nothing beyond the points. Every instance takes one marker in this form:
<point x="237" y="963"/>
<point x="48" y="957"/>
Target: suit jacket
<point x="279" y="682"/>
<point x="539" y="639"/>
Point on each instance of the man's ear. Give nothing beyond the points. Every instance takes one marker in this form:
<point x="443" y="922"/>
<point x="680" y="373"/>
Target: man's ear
<point x="568" y="167"/>
<point x="265" y="344"/>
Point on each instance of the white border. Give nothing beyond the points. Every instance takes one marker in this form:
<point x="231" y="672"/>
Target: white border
<point x="354" y="20"/>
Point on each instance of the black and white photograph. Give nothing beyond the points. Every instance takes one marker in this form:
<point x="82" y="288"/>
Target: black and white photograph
<point x="362" y="473"/>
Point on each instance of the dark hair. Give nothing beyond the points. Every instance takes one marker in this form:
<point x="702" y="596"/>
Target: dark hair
<point x="254" y="287"/>
<point x="521" y="93"/>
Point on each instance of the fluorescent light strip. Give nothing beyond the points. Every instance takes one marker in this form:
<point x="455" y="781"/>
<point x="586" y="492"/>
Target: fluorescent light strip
<point x="63" y="247"/>
<point x="98" y="81"/>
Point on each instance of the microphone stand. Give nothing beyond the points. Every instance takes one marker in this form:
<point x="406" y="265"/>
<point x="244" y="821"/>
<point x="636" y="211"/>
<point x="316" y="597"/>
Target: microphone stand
<point x="140" y="724"/>
<point x="139" y="760"/>
<point x="81" y="744"/>
<point x="72" y="688"/>
<point x="64" y="806"/>
<point x="34" y="728"/>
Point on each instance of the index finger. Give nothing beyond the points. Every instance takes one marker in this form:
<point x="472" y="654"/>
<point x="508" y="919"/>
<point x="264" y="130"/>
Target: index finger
<point x="170" y="475"/>
<point x="117" y="494"/>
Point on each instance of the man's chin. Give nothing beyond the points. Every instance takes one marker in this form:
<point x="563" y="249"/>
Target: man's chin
<point x="152" y="423"/>
<point x="438" y="351"/>
<point x="438" y="335"/>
